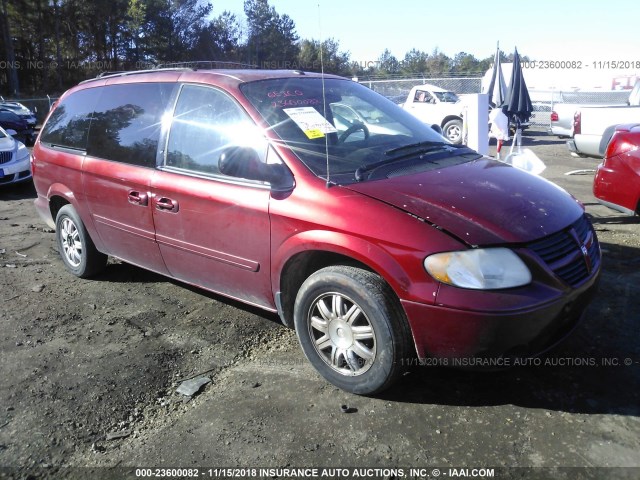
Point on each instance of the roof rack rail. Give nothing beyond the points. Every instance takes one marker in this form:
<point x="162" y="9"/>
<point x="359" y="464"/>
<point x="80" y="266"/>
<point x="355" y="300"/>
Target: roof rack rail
<point x="176" y="66"/>
<point x="109" y="74"/>
<point x="208" y="64"/>
<point x="104" y="75"/>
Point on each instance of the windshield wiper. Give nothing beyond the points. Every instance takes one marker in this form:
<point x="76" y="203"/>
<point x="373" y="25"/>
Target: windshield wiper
<point x="423" y="147"/>
<point x="426" y="143"/>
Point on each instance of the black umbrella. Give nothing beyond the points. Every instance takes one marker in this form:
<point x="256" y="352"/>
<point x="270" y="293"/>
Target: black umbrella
<point x="497" y="88"/>
<point x="517" y="105"/>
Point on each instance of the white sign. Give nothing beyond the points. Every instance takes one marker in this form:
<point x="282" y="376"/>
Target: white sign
<point x="310" y="121"/>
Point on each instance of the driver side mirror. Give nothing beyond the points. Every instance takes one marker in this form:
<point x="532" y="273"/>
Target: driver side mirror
<point x="11" y="132"/>
<point x="437" y="128"/>
<point x="244" y="162"/>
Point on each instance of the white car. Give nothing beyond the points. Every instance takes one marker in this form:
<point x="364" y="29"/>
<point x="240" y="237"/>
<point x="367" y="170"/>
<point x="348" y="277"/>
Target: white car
<point x="14" y="159"/>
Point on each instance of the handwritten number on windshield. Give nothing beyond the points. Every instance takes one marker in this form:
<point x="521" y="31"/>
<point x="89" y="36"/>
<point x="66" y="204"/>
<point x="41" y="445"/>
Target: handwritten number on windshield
<point x="285" y="93"/>
<point x="295" y="102"/>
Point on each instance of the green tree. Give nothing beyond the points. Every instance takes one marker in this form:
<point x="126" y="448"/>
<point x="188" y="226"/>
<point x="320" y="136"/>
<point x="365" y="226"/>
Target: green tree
<point x="220" y="39"/>
<point x="438" y="63"/>
<point x="465" y="63"/>
<point x="415" y="61"/>
<point x="136" y="18"/>
<point x="7" y="37"/>
<point x="272" y="40"/>
<point x="332" y="58"/>
<point x="388" y="64"/>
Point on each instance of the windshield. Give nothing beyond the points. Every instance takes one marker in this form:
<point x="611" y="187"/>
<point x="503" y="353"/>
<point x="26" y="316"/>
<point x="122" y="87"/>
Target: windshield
<point x="354" y="127"/>
<point x="447" y="97"/>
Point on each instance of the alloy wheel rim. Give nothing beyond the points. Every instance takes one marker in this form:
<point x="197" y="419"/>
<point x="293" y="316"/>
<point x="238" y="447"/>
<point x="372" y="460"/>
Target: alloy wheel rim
<point x="454" y="133"/>
<point x="71" y="244"/>
<point x="341" y="334"/>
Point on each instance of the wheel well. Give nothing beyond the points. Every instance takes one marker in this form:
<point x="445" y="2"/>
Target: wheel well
<point x="298" y="268"/>
<point x="55" y="204"/>
<point x="448" y="119"/>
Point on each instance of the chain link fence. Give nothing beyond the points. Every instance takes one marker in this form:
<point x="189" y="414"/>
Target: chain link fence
<point x="397" y="89"/>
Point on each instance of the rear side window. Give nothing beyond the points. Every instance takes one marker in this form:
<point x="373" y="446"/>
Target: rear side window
<point x="127" y="122"/>
<point x="68" y="124"/>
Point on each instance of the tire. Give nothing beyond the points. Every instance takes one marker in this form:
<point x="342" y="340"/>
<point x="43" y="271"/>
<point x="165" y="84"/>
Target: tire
<point x="76" y="248"/>
<point x="368" y="309"/>
<point x="452" y="130"/>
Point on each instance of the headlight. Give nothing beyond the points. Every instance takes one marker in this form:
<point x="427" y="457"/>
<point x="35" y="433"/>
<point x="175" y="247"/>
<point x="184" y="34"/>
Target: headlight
<point x="22" y="152"/>
<point x="481" y="269"/>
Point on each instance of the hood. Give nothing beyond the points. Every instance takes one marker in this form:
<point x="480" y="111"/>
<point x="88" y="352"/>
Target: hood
<point x="7" y="144"/>
<point x="482" y="202"/>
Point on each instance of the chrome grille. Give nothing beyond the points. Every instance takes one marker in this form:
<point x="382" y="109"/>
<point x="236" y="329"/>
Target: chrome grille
<point x="5" y="157"/>
<point x="572" y="253"/>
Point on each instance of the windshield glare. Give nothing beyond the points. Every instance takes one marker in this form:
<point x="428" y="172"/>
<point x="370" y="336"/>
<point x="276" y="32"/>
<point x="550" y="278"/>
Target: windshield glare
<point x="353" y="126"/>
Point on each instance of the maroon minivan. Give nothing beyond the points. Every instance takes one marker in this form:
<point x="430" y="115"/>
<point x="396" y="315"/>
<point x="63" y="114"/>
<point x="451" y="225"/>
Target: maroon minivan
<point x="313" y="196"/>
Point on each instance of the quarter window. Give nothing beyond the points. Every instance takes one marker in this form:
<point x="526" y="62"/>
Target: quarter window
<point x="207" y="123"/>
<point x="68" y="125"/>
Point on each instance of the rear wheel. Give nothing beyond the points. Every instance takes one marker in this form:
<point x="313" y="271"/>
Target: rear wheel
<point x="352" y="329"/>
<point x="77" y="250"/>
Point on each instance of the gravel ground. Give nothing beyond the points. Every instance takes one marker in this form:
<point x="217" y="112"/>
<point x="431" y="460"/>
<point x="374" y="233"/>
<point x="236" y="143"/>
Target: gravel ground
<point x="89" y="370"/>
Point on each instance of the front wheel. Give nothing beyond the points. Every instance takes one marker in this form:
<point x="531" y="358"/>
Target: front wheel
<point x="452" y="131"/>
<point x="352" y="329"/>
<point x="77" y="250"/>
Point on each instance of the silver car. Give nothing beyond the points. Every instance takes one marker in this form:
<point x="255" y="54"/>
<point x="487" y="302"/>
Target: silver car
<point x="14" y="159"/>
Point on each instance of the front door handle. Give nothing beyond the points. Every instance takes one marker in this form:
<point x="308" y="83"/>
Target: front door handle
<point x="137" y="198"/>
<point x="167" y="204"/>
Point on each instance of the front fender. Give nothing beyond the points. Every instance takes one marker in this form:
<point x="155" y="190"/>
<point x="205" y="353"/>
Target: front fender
<point x="409" y="280"/>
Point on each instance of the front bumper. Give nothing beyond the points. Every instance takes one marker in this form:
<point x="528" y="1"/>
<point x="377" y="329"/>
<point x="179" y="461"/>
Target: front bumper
<point x="15" y="171"/>
<point x="454" y="334"/>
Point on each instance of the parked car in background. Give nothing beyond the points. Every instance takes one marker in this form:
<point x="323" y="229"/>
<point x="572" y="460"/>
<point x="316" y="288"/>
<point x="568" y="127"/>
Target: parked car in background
<point x="617" y="180"/>
<point x="9" y="120"/>
<point x="375" y="238"/>
<point x="437" y="106"/>
<point x="590" y="122"/>
<point x="22" y="111"/>
<point x="14" y="159"/>
<point x="561" y="120"/>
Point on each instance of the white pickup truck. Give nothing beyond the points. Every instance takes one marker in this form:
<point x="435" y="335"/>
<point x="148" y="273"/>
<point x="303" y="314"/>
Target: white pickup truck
<point x="591" y="121"/>
<point x="437" y="106"/>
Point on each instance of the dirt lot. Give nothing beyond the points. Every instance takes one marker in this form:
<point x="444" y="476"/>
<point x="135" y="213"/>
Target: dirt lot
<point x="89" y="370"/>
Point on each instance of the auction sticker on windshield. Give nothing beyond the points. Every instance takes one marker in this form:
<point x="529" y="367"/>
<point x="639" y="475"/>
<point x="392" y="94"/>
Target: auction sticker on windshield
<point x="310" y="121"/>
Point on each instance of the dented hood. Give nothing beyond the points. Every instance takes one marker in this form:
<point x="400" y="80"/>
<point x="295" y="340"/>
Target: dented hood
<point x="482" y="202"/>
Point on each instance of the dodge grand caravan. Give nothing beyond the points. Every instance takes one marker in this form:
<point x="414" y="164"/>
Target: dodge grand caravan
<point x="375" y="238"/>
